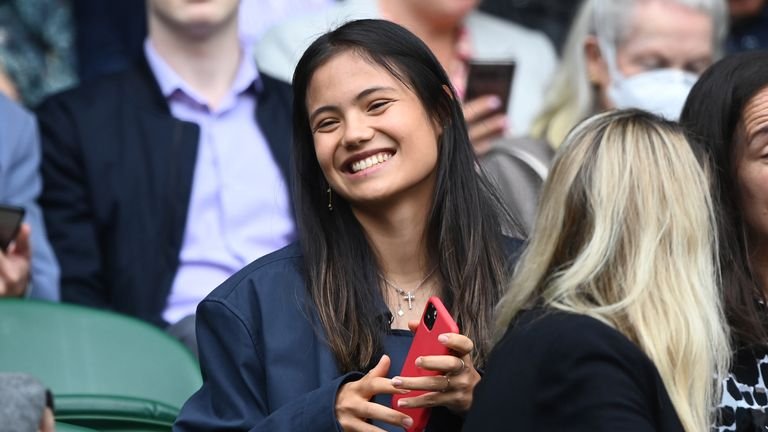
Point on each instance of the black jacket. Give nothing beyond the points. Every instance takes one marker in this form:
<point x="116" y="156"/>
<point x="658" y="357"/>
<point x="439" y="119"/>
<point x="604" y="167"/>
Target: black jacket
<point x="117" y="172"/>
<point x="557" y="371"/>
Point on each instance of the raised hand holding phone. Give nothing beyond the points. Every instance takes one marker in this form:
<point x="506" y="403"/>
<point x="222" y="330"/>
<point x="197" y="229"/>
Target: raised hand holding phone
<point x="489" y="86"/>
<point x="438" y="370"/>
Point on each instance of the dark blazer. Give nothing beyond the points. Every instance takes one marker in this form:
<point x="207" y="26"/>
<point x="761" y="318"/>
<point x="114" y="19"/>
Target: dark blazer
<point x="117" y="171"/>
<point x="266" y="366"/>
<point x="557" y="371"/>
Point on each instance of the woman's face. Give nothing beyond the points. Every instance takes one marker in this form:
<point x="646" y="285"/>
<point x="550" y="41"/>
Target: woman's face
<point x="751" y="166"/>
<point x="373" y="139"/>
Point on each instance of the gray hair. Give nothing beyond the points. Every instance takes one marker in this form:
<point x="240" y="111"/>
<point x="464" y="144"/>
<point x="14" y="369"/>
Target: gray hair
<point x="571" y="96"/>
<point x="611" y="18"/>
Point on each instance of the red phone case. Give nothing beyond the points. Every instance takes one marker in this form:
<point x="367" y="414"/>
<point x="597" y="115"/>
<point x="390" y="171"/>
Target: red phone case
<point x="425" y="344"/>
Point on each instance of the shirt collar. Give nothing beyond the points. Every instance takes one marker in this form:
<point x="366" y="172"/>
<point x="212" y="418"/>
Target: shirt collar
<point x="170" y="82"/>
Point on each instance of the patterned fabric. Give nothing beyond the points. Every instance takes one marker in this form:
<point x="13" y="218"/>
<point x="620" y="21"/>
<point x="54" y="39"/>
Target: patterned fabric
<point x="37" y="47"/>
<point x="745" y="394"/>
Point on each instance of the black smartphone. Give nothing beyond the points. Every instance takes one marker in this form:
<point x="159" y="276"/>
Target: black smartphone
<point x="490" y="78"/>
<point x="10" y="223"/>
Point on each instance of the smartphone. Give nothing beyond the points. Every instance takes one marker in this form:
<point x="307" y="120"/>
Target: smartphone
<point x="435" y="320"/>
<point x="10" y="223"/>
<point x="490" y="78"/>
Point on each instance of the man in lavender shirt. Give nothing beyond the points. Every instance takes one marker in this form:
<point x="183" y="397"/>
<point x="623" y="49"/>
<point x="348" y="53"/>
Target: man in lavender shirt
<point x="162" y="181"/>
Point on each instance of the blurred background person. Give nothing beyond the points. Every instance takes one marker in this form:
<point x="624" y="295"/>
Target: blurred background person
<point x="749" y="25"/>
<point x="28" y="268"/>
<point x="456" y="32"/>
<point x="163" y="180"/>
<point x="612" y="321"/>
<point x="726" y="117"/>
<point x="110" y="35"/>
<point x="631" y="53"/>
<point x="37" y="49"/>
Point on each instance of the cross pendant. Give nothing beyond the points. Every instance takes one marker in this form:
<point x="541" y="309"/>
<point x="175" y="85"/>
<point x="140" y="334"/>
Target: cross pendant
<point x="409" y="298"/>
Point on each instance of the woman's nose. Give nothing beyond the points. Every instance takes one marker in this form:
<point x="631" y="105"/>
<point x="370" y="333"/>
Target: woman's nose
<point x="356" y="131"/>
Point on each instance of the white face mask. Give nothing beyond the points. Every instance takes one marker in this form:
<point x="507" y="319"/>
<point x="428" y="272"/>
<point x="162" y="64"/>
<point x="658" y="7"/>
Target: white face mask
<point x="660" y="91"/>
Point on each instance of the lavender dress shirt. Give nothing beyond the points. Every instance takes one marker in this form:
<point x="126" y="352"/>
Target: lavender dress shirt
<point x="239" y="209"/>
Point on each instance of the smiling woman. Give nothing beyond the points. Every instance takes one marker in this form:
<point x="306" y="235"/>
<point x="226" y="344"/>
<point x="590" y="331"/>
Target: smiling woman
<point x="391" y="211"/>
<point x="373" y="138"/>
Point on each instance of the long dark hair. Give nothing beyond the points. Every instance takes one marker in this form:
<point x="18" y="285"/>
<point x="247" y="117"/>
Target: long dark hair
<point x="465" y="223"/>
<point x="711" y="117"/>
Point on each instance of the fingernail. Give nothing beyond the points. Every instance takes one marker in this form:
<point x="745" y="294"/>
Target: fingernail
<point x="494" y="102"/>
<point x="442" y="338"/>
<point x="407" y="422"/>
<point x="402" y="403"/>
<point x="419" y="361"/>
<point x="397" y="382"/>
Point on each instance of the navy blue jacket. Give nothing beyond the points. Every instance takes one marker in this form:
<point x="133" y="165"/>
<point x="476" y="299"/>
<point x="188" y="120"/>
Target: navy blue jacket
<point x="117" y="177"/>
<point x="265" y="364"/>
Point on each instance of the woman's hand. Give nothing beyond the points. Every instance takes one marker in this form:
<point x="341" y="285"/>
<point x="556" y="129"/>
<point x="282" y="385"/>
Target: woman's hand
<point x="454" y="386"/>
<point x="354" y="406"/>
<point x="15" y="264"/>
<point x="483" y="126"/>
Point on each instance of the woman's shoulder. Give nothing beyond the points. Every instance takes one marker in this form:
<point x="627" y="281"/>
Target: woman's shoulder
<point x="566" y="335"/>
<point x="278" y="272"/>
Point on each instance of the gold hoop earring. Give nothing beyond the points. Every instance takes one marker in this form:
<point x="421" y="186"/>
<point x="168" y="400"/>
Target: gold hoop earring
<point x="330" y="199"/>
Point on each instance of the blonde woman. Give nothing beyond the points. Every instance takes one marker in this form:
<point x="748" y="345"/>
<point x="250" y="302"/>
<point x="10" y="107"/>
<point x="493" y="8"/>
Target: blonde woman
<point x="613" y="320"/>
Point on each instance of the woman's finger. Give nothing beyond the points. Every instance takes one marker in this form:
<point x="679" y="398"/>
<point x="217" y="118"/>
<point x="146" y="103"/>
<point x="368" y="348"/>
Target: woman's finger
<point x="487" y="128"/>
<point x="375" y="411"/>
<point x="480" y="107"/>
<point x="436" y="383"/>
<point x="458" y="343"/>
<point x="442" y="363"/>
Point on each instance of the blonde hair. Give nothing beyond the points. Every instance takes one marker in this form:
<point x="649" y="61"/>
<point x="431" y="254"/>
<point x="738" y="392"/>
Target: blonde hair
<point x="571" y="96"/>
<point x="625" y="234"/>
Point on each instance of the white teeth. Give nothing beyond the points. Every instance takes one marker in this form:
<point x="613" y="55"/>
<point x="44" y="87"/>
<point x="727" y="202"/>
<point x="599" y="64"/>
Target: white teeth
<point x="370" y="161"/>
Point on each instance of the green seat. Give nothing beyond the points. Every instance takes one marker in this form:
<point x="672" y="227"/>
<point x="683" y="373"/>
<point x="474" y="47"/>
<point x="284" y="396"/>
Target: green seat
<point x="105" y="370"/>
<point x="66" y="427"/>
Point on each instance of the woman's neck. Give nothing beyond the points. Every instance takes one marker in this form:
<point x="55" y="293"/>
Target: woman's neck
<point x="398" y="238"/>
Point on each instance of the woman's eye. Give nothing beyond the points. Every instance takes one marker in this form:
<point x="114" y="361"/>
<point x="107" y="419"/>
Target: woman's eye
<point x="324" y="125"/>
<point x="378" y="105"/>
